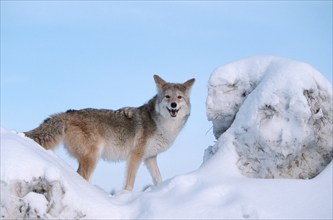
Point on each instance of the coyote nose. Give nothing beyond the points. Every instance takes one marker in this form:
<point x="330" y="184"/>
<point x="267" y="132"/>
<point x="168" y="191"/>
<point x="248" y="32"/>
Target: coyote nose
<point x="173" y="105"/>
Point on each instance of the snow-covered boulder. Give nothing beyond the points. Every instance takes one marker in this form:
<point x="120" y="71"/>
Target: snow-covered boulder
<point x="279" y="112"/>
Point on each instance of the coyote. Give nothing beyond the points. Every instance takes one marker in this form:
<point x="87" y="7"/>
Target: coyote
<point x="131" y="134"/>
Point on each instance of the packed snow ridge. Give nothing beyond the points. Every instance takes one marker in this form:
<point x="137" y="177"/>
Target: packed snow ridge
<point x="279" y="112"/>
<point x="272" y="118"/>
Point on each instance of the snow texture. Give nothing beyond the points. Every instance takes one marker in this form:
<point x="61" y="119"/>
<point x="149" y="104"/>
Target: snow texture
<point x="279" y="112"/>
<point x="36" y="184"/>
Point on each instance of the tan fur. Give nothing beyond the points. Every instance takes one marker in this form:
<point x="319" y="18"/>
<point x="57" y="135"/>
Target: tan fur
<point x="132" y="134"/>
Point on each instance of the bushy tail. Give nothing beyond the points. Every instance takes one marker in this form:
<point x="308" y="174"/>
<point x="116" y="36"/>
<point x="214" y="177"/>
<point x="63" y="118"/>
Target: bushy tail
<point x="50" y="133"/>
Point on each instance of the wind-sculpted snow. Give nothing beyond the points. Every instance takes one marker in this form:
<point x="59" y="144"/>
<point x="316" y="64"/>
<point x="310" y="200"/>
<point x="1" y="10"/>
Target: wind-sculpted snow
<point x="38" y="198"/>
<point x="36" y="184"/>
<point x="279" y="112"/>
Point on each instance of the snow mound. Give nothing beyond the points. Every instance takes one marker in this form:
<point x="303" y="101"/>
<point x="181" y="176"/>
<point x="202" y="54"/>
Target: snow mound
<point x="36" y="184"/>
<point x="279" y="113"/>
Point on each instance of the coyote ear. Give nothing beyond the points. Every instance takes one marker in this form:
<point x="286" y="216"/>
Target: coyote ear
<point x="189" y="84"/>
<point x="159" y="81"/>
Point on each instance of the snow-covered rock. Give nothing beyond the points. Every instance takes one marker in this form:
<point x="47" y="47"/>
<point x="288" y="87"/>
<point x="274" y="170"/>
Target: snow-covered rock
<point x="279" y="112"/>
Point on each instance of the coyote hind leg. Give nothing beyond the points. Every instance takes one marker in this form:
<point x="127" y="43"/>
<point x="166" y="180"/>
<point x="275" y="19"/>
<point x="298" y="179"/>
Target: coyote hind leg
<point x="87" y="166"/>
<point x="84" y="144"/>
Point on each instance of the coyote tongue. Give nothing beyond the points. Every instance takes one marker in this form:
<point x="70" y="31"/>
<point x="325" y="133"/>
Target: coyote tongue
<point x="173" y="112"/>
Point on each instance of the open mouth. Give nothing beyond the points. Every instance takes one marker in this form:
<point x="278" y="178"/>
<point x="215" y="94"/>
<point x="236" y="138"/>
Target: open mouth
<point x="173" y="112"/>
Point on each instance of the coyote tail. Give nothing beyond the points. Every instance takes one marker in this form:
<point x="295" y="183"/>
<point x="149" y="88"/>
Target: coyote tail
<point x="50" y="133"/>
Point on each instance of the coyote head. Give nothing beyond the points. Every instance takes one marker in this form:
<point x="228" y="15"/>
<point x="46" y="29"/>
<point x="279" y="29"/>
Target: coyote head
<point x="173" y="98"/>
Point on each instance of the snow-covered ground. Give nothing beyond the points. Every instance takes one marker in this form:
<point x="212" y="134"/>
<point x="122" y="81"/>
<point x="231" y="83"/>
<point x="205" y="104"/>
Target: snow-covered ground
<point x="256" y="100"/>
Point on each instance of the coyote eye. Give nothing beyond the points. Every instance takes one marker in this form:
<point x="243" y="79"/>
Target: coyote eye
<point x="167" y="96"/>
<point x="180" y="97"/>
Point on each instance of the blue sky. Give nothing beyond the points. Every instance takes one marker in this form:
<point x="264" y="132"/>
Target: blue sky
<point x="59" y="55"/>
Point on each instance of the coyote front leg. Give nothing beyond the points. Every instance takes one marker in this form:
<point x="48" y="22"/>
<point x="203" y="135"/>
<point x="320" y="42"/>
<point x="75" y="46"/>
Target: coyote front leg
<point x="151" y="164"/>
<point x="133" y="164"/>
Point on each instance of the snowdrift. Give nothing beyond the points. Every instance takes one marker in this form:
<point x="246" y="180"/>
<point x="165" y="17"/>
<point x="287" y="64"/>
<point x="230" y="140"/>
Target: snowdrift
<point x="35" y="183"/>
<point x="279" y="112"/>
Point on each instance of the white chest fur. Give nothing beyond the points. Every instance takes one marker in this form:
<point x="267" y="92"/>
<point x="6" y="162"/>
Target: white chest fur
<point x="165" y="135"/>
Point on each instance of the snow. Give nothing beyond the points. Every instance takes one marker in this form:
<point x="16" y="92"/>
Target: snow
<point x="255" y="100"/>
<point x="279" y="112"/>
